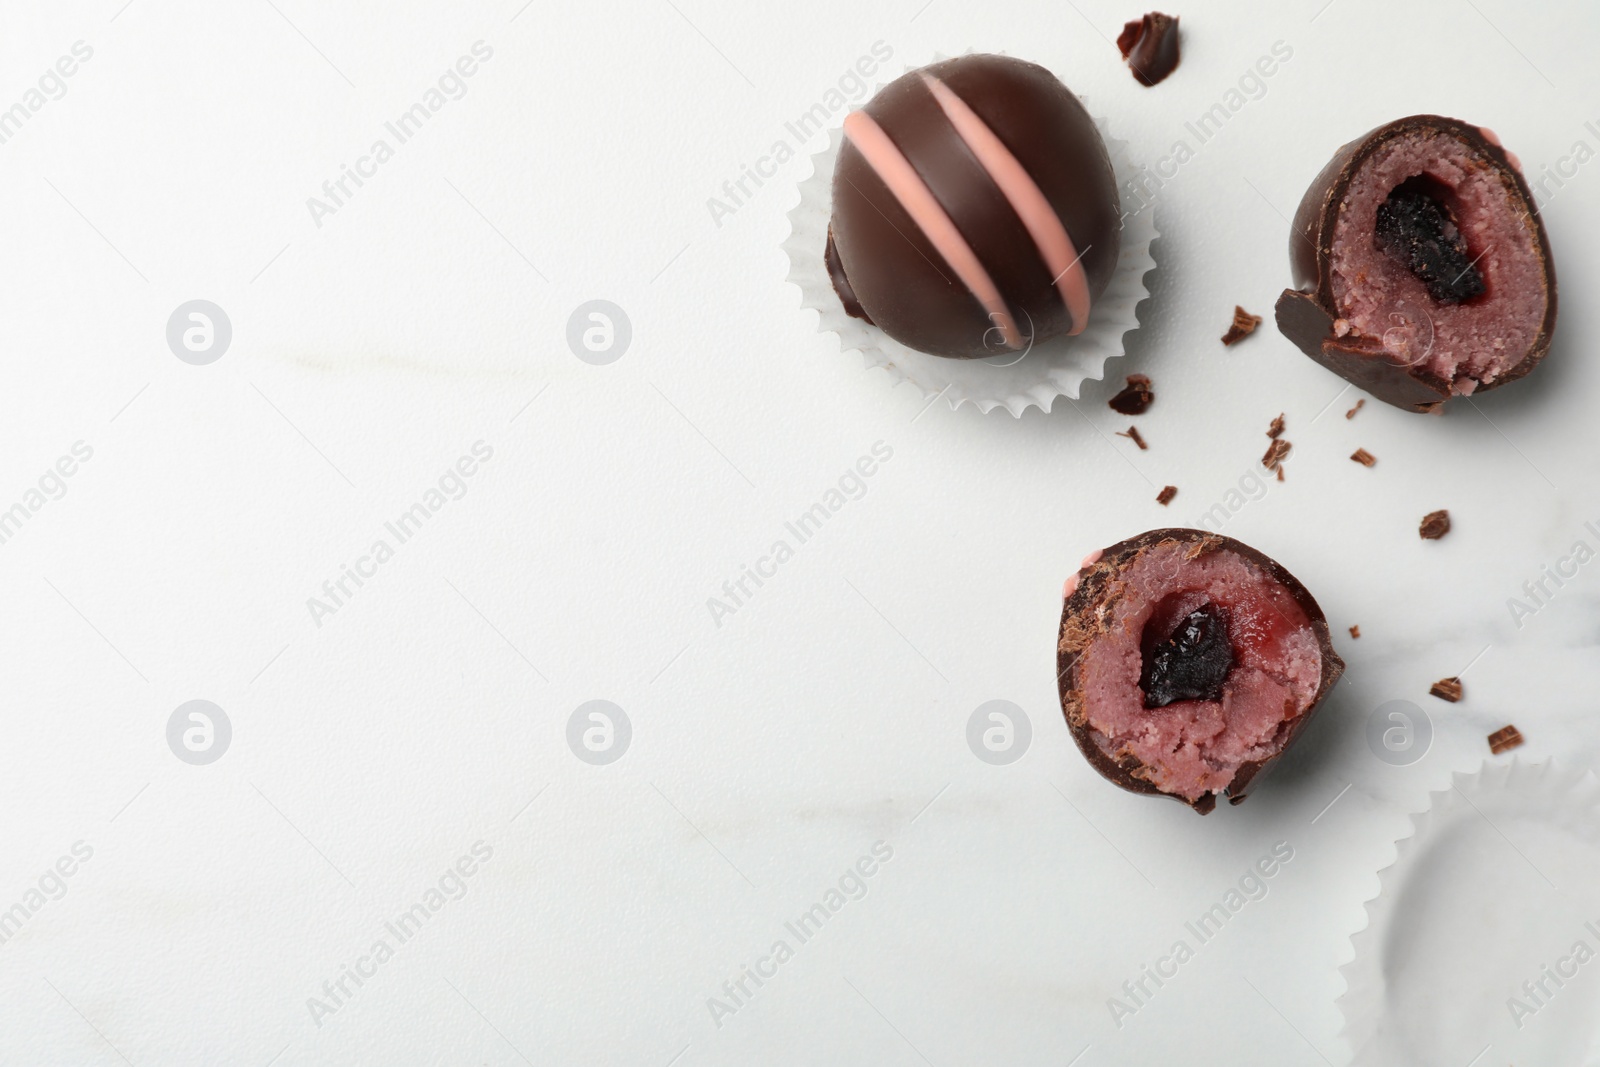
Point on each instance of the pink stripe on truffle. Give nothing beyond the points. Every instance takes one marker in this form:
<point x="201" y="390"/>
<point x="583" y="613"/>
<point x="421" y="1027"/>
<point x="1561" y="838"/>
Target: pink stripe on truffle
<point x="891" y="165"/>
<point x="1050" y="237"/>
<point x="1070" y="586"/>
<point x="1494" y="139"/>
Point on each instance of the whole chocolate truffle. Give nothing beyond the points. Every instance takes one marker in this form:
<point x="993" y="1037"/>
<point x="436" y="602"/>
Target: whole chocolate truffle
<point x="1422" y="265"/>
<point x="1187" y="662"/>
<point x="974" y="209"/>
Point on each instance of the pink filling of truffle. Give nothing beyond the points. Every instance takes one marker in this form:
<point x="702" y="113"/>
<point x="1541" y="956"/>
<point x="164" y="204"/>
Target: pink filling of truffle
<point x="1194" y="747"/>
<point x="1467" y="344"/>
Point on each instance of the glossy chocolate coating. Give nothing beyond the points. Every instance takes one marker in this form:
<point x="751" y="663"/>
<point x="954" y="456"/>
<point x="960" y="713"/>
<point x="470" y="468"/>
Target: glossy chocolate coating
<point x="1307" y="313"/>
<point x="887" y="269"/>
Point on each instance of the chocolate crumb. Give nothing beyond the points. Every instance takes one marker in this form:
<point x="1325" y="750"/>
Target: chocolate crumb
<point x="1150" y="45"/>
<point x="1447" y="689"/>
<point x="1244" y="324"/>
<point x="1352" y="412"/>
<point x="1435" y="524"/>
<point x="1165" y="496"/>
<point x="1363" y="457"/>
<point x="1276" y="453"/>
<point x="1355" y="631"/>
<point x="1280" y="474"/>
<point x="1276" y="429"/>
<point x="1504" y="740"/>
<point x="1132" y="434"/>
<point x="1135" y="398"/>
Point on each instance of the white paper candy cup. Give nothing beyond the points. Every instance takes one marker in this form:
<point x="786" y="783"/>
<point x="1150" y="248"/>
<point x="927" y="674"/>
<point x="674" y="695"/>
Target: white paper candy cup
<point x="1483" y="943"/>
<point x="1049" y="369"/>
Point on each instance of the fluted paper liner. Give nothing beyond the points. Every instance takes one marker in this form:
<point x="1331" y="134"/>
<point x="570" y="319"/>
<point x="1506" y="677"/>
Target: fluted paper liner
<point x="1053" y="368"/>
<point x="1483" y="943"/>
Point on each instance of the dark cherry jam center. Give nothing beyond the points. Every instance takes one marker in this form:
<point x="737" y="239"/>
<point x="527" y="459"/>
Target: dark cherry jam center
<point x="1415" y="226"/>
<point x="1192" y="663"/>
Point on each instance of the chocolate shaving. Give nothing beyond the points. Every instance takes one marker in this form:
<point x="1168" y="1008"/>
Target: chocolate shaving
<point x="1363" y="457"/>
<point x="1165" y="496"/>
<point x="1504" y="739"/>
<point x="1435" y="524"/>
<point x="1135" y="398"/>
<point x="1278" y="449"/>
<point x="1150" y="45"/>
<point x="1352" y="412"/>
<point x="1244" y="324"/>
<point x="1447" y="689"/>
<point x="1132" y="434"/>
<point x="1355" y="631"/>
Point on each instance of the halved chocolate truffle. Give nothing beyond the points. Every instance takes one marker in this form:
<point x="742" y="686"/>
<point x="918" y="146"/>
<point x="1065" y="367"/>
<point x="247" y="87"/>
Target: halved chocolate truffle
<point x="1422" y="266"/>
<point x="974" y="209"/>
<point x="1187" y="662"/>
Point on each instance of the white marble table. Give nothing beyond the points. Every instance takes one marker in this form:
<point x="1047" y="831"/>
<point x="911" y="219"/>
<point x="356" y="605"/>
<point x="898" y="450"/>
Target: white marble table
<point x="419" y="719"/>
